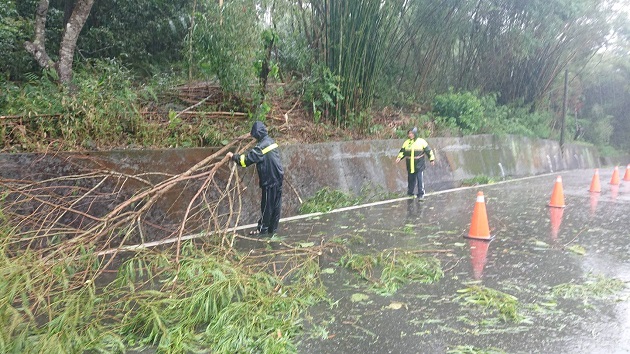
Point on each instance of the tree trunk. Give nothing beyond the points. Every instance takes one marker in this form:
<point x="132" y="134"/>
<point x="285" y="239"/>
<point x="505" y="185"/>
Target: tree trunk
<point x="37" y="48"/>
<point x="73" y="27"/>
<point x="69" y="39"/>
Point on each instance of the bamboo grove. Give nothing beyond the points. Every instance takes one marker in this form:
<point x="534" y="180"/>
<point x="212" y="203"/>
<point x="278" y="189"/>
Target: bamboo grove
<point x="514" y="48"/>
<point x="348" y="58"/>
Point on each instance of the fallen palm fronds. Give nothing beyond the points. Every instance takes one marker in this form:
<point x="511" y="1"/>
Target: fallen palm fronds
<point x="492" y="300"/>
<point x="595" y="286"/>
<point x="396" y="268"/>
<point x="67" y="285"/>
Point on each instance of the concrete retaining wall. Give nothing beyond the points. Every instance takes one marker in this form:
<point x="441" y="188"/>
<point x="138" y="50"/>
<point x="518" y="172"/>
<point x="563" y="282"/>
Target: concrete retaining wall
<point x="351" y="165"/>
<point x="347" y="166"/>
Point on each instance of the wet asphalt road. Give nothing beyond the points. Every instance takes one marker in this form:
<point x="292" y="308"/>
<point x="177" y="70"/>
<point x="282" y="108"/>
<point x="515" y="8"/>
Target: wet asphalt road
<point x="533" y="251"/>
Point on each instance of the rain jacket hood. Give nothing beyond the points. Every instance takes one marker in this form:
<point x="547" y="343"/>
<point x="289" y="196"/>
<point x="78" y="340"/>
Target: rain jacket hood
<point x="259" y="131"/>
<point x="266" y="157"/>
<point x="414" y="131"/>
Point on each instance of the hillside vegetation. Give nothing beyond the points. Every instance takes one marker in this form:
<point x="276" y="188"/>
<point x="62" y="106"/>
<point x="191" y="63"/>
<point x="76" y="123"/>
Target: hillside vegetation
<point x="188" y="73"/>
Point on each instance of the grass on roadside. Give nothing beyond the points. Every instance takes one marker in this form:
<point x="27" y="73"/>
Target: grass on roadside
<point x="327" y="199"/>
<point x="477" y="181"/>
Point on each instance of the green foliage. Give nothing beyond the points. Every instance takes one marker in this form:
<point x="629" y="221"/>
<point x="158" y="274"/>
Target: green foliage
<point x="594" y="287"/>
<point x="147" y="35"/>
<point x="362" y="264"/>
<point x="477" y="180"/>
<point x="602" y="111"/>
<point x="609" y="151"/>
<point x="468" y="113"/>
<point x="14" y="31"/>
<point x="598" y="129"/>
<point x="353" y="239"/>
<point x="500" y="59"/>
<point x="515" y="49"/>
<point x="520" y="121"/>
<point x="400" y="268"/>
<point x="396" y="268"/>
<point x="225" y="43"/>
<point x="490" y="299"/>
<point x="327" y="199"/>
<point x="352" y="41"/>
<point x="269" y="38"/>
<point x="321" y="91"/>
<point x="261" y="112"/>
<point x="293" y="55"/>
<point x="463" y="111"/>
<point x="100" y="110"/>
<point x="205" y="300"/>
<point x="577" y="249"/>
<point x="181" y="133"/>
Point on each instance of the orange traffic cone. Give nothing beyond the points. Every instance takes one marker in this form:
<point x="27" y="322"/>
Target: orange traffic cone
<point x="478" y="256"/>
<point x="615" y="177"/>
<point x="555" y="215"/>
<point x="626" y="176"/>
<point x="614" y="192"/>
<point x="557" y="196"/>
<point x="595" y="187"/>
<point x="594" y="201"/>
<point x="479" y="229"/>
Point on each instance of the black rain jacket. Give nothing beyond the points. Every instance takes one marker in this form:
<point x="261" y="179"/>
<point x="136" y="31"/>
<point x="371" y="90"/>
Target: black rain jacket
<point x="266" y="157"/>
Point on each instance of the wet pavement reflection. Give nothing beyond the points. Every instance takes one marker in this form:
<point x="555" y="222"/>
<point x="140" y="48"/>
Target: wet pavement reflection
<point x="536" y="248"/>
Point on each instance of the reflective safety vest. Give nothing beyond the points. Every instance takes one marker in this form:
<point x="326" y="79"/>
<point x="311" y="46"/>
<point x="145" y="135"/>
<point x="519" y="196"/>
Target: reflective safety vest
<point x="264" y="151"/>
<point x="415" y="149"/>
<point x="266" y="156"/>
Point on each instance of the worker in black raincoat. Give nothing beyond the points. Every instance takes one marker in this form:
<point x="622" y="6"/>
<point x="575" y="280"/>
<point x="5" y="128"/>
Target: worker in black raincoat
<point x="270" y="174"/>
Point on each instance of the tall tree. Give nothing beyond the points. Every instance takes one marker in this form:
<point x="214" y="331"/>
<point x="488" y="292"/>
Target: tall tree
<point x="72" y="27"/>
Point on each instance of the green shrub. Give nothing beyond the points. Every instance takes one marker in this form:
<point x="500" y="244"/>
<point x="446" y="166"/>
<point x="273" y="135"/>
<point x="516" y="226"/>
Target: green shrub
<point x="467" y="113"/>
<point x="461" y="110"/>
<point x="100" y="107"/>
<point x="598" y="128"/>
<point x="321" y="90"/>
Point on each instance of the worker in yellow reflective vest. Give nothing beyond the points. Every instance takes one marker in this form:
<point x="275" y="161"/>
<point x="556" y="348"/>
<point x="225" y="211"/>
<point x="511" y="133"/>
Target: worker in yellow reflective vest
<point x="266" y="156"/>
<point x="414" y="151"/>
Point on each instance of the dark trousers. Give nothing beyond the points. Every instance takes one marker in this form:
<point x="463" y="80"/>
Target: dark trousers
<point x="270" y="205"/>
<point x="412" y="180"/>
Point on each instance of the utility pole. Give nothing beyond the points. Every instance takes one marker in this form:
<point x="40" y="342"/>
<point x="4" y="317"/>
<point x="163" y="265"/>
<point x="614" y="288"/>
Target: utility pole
<point x="564" y="107"/>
